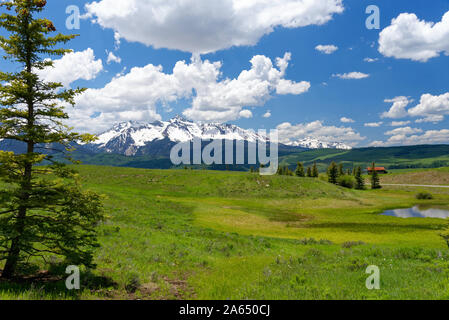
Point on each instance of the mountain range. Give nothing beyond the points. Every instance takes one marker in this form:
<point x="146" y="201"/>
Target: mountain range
<point x="137" y="138"/>
<point x="148" y="145"/>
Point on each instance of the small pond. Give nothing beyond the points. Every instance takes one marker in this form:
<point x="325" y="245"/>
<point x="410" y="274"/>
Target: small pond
<point x="419" y="212"/>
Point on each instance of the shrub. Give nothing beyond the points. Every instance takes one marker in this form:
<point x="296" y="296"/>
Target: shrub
<point x="132" y="283"/>
<point x="350" y="244"/>
<point x="323" y="177"/>
<point x="424" y="196"/>
<point x="312" y="241"/>
<point x="346" y="181"/>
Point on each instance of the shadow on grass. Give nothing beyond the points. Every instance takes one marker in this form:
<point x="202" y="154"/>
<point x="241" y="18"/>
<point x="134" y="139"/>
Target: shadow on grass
<point x="375" y="227"/>
<point x="47" y="286"/>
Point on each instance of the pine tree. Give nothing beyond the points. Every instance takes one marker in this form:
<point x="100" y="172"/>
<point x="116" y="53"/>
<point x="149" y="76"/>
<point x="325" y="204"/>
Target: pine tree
<point x="282" y="171"/>
<point x="332" y="173"/>
<point x="315" y="172"/>
<point x="354" y="171"/>
<point x="309" y="172"/>
<point x="300" y="170"/>
<point x="375" y="181"/>
<point x="44" y="211"/>
<point x="340" y="170"/>
<point x="359" y="181"/>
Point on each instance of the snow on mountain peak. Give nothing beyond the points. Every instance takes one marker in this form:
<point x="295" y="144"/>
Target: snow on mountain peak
<point x="313" y="143"/>
<point x="128" y="137"/>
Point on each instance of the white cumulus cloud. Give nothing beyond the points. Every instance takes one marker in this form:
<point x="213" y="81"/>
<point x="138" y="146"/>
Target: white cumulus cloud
<point x="135" y="95"/>
<point x="430" y="118"/>
<point x="289" y="133"/>
<point x="409" y="136"/>
<point x="410" y="38"/>
<point x="398" y="109"/>
<point x="431" y="108"/>
<point x="399" y="123"/>
<point x="373" y="124"/>
<point x="403" y="131"/>
<point x="246" y="114"/>
<point x="351" y="76"/>
<point x="203" y="26"/>
<point x="223" y="100"/>
<point x="326" y="49"/>
<point x="346" y="120"/>
<point x="73" y="66"/>
<point x="113" y="58"/>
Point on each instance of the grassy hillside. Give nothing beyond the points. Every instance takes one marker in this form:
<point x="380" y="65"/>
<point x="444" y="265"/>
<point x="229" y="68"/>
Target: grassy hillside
<point x="438" y="176"/>
<point x="173" y="234"/>
<point x="427" y="156"/>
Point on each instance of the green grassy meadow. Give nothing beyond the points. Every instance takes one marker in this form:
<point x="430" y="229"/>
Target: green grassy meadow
<point x="197" y="234"/>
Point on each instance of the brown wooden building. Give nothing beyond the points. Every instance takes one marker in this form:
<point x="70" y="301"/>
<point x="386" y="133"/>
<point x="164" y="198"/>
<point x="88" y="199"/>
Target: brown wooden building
<point x="380" y="170"/>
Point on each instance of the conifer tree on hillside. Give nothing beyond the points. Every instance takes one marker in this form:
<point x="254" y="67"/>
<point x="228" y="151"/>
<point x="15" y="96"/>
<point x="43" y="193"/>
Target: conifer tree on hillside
<point x="315" y="172"/>
<point x="341" y="170"/>
<point x="375" y="181"/>
<point x="43" y="211"/>
<point x="309" y="172"/>
<point x="359" y="181"/>
<point x="332" y="173"/>
<point x="300" y="170"/>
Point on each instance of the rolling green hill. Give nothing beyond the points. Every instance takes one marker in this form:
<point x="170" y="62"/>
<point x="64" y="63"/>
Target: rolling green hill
<point x="425" y="156"/>
<point x="198" y="234"/>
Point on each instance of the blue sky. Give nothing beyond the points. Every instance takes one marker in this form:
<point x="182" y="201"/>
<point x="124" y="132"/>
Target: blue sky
<point x="409" y="67"/>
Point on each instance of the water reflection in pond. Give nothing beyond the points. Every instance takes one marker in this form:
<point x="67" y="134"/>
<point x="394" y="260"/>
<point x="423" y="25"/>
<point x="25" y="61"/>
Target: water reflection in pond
<point x="419" y="212"/>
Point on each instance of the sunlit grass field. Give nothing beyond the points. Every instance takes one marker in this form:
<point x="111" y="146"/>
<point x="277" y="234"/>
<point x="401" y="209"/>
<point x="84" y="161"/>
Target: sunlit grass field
<point x="196" y="234"/>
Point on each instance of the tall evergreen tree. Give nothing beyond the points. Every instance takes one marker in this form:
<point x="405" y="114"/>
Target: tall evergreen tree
<point x="309" y="172"/>
<point x="43" y="211"/>
<point x="375" y="181"/>
<point x="299" y="172"/>
<point x="315" y="172"/>
<point x="341" y="170"/>
<point x="359" y="181"/>
<point x="332" y="173"/>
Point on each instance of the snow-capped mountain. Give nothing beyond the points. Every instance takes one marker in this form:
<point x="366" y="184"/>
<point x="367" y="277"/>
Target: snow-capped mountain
<point x="131" y="137"/>
<point x="137" y="138"/>
<point x="312" y="143"/>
